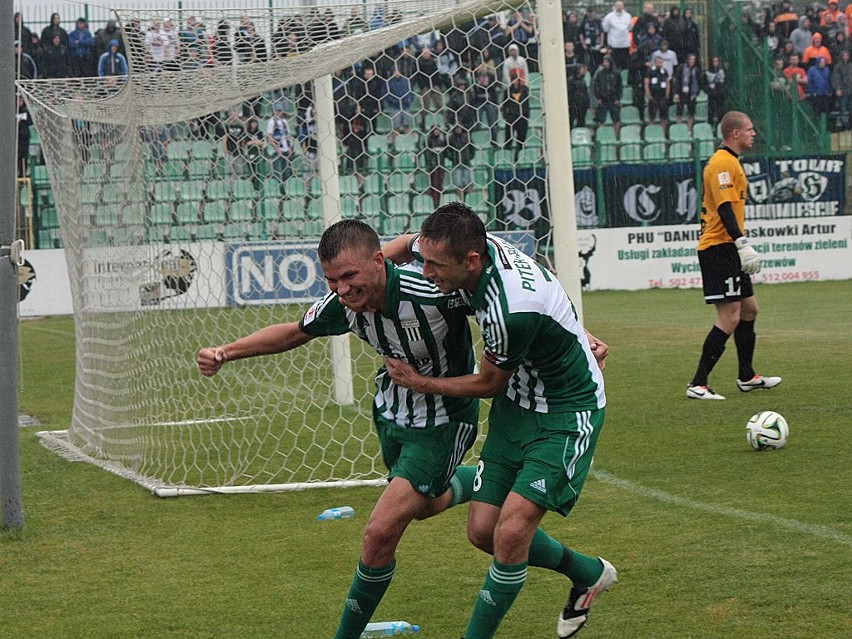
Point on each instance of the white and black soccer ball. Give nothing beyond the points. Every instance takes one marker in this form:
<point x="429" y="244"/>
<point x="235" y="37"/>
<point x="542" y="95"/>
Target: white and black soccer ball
<point x="767" y="430"/>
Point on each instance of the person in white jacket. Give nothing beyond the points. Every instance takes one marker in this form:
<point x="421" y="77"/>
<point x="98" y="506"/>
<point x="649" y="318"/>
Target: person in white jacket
<point x="617" y="25"/>
<point x="515" y="65"/>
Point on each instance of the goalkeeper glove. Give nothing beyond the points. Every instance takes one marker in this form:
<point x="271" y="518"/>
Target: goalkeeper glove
<point x="749" y="258"/>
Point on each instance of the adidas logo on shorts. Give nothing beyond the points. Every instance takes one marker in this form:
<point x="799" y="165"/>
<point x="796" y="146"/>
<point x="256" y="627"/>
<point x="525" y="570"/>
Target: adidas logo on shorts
<point x="539" y="485"/>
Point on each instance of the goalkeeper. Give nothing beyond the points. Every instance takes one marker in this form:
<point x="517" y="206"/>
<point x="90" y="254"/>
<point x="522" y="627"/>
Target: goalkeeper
<point x="423" y="437"/>
<point x="727" y="261"/>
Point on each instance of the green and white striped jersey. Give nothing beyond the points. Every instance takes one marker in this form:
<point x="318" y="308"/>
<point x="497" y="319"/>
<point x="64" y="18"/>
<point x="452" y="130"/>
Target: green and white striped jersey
<point x="419" y="325"/>
<point x="529" y="326"/>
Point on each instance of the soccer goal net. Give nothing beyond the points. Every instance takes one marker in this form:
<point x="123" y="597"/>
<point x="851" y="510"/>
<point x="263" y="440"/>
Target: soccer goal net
<point x="191" y="192"/>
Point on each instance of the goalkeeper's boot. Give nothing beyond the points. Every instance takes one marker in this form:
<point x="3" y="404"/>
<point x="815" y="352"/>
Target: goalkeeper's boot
<point x="758" y="381"/>
<point x="702" y="392"/>
<point x="576" y="612"/>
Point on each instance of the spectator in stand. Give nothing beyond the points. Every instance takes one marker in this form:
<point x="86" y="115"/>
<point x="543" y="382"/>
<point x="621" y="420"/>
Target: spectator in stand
<point x="797" y="76"/>
<point x="355" y="23"/>
<point x="433" y="161"/>
<point x="617" y="25"/>
<point x="670" y="59"/>
<point x="354" y="142"/>
<point x="516" y="114"/>
<point x="53" y="29"/>
<point x="112" y="66"/>
<point x="571" y="30"/>
<point x="819" y="91"/>
<point x="786" y="19"/>
<point x="607" y="89"/>
<point x="459" y="154"/>
<point x="407" y="64"/>
<point x="280" y="144"/>
<point x="233" y="133"/>
<point x="780" y="83"/>
<point x="171" y="45"/>
<point x="55" y="59"/>
<point x="155" y="46"/>
<point x="253" y="149"/>
<point x="447" y="63"/>
<point x="515" y="66"/>
<point x="838" y="45"/>
<point x="397" y="103"/>
<point x="81" y="47"/>
<point x="369" y="94"/>
<point x="25" y="66"/>
<point x="221" y="47"/>
<point x="841" y="83"/>
<point x="828" y="18"/>
<point x="158" y="138"/>
<point x="816" y="50"/>
<point x="23" y="119"/>
<point x="521" y="32"/>
<point x="714" y="86"/>
<point x="801" y="37"/>
<point x="674" y="29"/>
<point x="250" y="47"/>
<point x="193" y="36"/>
<point x="650" y="39"/>
<point x="427" y="81"/>
<point x="579" y="100"/>
<point x="105" y="35"/>
<point x="310" y="146"/>
<point x="645" y="19"/>
<point x="593" y="38"/>
<point x="23" y="35"/>
<point x="460" y="109"/>
<point x="571" y="59"/>
<point x="486" y="94"/>
<point x="691" y="34"/>
<point x="637" y="71"/>
<point x="134" y="42"/>
<point x="774" y="41"/>
<point x="658" y="89"/>
<point x="687" y="83"/>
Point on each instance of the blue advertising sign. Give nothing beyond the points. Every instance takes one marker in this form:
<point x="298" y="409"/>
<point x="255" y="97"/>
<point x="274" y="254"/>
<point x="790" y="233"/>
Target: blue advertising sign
<point x="290" y="272"/>
<point x="781" y="188"/>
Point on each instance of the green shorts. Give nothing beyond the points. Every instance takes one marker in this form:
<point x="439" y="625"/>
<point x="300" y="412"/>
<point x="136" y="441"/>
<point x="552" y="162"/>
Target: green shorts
<point x="544" y="457"/>
<point x="426" y="457"/>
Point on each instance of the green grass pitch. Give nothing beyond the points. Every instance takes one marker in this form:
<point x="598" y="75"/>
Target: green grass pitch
<point x="712" y="540"/>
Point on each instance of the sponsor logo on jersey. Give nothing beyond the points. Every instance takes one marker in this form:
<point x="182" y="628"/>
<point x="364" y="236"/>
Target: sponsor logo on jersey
<point x="485" y="595"/>
<point x="412" y="330"/>
<point x="310" y="316"/>
<point x="539" y="485"/>
<point x="725" y="178"/>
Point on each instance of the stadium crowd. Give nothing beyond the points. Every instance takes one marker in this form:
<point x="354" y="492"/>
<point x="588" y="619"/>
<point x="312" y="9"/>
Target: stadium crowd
<point x="472" y="76"/>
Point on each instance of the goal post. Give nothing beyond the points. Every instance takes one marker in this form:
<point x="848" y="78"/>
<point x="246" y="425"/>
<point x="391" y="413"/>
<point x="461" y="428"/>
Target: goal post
<point x="190" y="214"/>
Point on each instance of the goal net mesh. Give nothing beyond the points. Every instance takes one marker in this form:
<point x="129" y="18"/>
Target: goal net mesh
<point x="189" y="215"/>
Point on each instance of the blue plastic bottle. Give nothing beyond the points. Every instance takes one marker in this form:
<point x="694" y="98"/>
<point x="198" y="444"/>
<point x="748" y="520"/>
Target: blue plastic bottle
<point x="342" y="512"/>
<point x="389" y="629"/>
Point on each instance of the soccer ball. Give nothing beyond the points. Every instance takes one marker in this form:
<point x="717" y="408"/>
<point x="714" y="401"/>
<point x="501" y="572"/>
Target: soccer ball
<point x="767" y="430"/>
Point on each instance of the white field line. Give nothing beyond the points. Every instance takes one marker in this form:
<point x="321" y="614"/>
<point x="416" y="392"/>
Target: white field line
<point x="725" y="511"/>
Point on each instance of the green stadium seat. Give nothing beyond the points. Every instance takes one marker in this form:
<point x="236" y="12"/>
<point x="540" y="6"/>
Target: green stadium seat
<point x="581" y="156"/>
<point x="192" y="191"/>
<point x="269" y="208"/>
<point x="244" y="190"/>
<point x="112" y="193"/>
<point x="383" y="124"/>
<point x="349" y="206"/>
<point x="173" y="169"/>
<point x="218" y="190"/>
<point x="241" y="211"/>
<point x="654" y="152"/>
<point x="93" y="172"/>
<point x="627" y="99"/>
<point x="315" y="209"/>
<point x="207" y="232"/>
<point x="482" y="178"/>
<point x="293" y="208"/>
<point x="655" y="133"/>
<point x="680" y="151"/>
<point x="48" y="218"/>
<point x="312" y="228"/>
<point x="349" y="185"/>
<point x="165" y="192"/>
<point x="605" y="135"/>
<point x="188" y="213"/>
<point x="399" y="183"/>
<point x="202" y="150"/>
<point x="679" y="133"/>
<point x="701" y="111"/>
<point x="40" y="175"/>
<point x="271" y="187"/>
<point x="421" y="182"/>
<point x="481" y="139"/>
<point x="399" y="205"/>
<point x="98" y="237"/>
<point x="162" y="213"/>
<point x="405" y="161"/>
<point x="504" y="159"/>
<point x="582" y="136"/>
<point x="448" y="197"/>
<point x="120" y="170"/>
<point x="706" y="148"/>
<point x="295" y="187"/>
<point x="422" y="205"/>
<point x="630" y="153"/>
<point x="606" y="153"/>
<point x="199" y="169"/>
<point x="371" y="206"/>
<point x="373" y="184"/>
<point x="106" y="216"/>
<point x="483" y="157"/>
<point x="90" y="193"/>
<point x="406" y="142"/>
<point x="477" y="201"/>
<point x="530" y="157"/>
<point x="179" y="150"/>
<point x="396" y="224"/>
<point x="630" y="115"/>
<point x="315" y="187"/>
<point x="215" y="212"/>
<point x="702" y="131"/>
<point x="133" y="213"/>
<point x="631" y="133"/>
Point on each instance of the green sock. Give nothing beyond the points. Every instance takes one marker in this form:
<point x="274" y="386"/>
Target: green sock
<point x="546" y="552"/>
<point x="368" y="588"/>
<point x="501" y="587"/>
<point x="461" y="485"/>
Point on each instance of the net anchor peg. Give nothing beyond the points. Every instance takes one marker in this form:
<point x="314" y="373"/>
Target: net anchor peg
<point x="15" y="252"/>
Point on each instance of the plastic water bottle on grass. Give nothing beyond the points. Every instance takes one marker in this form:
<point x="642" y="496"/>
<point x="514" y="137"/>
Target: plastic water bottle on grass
<point x="341" y="512"/>
<point x="389" y="629"/>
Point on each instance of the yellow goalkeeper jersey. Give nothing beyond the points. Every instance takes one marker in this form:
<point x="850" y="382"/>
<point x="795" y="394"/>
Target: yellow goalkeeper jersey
<point x="724" y="181"/>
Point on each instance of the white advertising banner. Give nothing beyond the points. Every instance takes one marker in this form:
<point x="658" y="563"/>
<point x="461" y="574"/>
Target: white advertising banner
<point x="44" y="287"/>
<point x="636" y="258"/>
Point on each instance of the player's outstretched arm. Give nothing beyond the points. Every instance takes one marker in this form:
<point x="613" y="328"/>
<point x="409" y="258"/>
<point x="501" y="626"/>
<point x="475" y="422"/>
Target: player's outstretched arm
<point x="488" y="382"/>
<point x="277" y="338"/>
<point x="599" y="349"/>
<point x="398" y="250"/>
